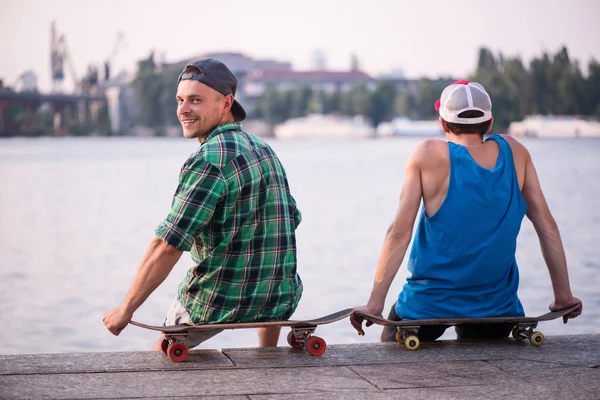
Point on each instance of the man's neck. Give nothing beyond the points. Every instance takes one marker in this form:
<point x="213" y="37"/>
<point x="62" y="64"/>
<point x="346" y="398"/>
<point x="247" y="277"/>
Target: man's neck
<point x="466" y="139"/>
<point x="223" y="122"/>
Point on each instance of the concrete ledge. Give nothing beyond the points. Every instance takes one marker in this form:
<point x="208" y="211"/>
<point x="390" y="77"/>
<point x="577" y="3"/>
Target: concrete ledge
<point x="564" y="367"/>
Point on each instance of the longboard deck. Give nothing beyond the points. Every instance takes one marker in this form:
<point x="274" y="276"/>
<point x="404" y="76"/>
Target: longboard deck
<point x="460" y="321"/>
<point x="241" y="325"/>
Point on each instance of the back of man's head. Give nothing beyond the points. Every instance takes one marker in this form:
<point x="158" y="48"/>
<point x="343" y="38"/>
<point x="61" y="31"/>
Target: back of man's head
<point x="466" y="108"/>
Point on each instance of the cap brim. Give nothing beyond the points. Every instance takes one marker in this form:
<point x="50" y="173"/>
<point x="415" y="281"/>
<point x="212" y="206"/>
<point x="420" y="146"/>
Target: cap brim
<point x="238" y="111"/>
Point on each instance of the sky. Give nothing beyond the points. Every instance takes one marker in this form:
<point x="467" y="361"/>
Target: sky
<point x="421" y="38"/>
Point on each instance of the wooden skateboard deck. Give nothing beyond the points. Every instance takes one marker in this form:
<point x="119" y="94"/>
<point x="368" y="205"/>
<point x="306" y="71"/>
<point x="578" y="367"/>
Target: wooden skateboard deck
<point x="301" y="335"/>
<point x="408" y="329"/>
<point x="243" y="325"/>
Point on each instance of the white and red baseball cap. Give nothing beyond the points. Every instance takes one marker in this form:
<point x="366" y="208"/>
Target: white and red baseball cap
<point x="463" y="96"/>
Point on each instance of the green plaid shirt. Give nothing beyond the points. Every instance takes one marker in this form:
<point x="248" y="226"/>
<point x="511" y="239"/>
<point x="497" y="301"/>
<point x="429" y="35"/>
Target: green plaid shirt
<point x="234" y="212"/>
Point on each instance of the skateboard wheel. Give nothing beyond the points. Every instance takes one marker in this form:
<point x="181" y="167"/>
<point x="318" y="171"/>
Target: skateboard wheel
<point x="291" y="339"/>
<point x="412" y="342"/>
<point x="516" y="335"/>
<point x="164" y="345"/>
<point x="399" y="338"/>
<point x="537" y="338"/>
<point x="177" y="352"/>
<point x="315" y="346"/>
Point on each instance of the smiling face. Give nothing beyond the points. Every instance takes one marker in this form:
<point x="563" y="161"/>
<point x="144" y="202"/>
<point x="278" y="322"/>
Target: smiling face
<point x="201" y="109"/>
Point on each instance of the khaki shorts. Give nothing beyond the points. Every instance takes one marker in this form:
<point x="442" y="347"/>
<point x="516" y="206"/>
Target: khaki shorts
<point x="178" y="315"/>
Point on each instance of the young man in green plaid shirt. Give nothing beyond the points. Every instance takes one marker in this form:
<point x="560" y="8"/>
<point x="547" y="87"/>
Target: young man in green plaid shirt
<point x="232" y="210"/>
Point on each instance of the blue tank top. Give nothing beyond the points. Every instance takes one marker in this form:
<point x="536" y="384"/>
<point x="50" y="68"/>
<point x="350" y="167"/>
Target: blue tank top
<point x="462" y="262"/>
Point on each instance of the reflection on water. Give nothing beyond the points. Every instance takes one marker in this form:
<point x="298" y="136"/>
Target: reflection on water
<point x="77" y="215"/>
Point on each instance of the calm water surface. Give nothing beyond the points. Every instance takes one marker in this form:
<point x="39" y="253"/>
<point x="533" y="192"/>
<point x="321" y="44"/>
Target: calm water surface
<point x="77" y="215"/>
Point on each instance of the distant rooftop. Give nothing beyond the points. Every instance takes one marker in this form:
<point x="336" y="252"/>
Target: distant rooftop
<point x="241" y="63"/>
<point x="312" y="76"/>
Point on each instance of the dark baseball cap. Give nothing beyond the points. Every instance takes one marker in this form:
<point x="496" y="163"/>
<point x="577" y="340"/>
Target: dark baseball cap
<point x="216" y="75"/>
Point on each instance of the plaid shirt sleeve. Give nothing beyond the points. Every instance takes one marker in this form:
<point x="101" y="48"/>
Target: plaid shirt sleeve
<point x="199" y="190"/>
<point x="297" y="213"/>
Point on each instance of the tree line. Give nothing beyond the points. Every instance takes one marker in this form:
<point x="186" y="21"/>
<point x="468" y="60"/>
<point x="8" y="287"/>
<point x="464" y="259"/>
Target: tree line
<point x="551" y="84"/>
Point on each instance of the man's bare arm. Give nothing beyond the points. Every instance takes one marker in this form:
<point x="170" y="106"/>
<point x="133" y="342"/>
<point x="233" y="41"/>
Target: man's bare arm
<point x="396" y="241"/>
<point x="157" y="263"/>
<point x="550" y="241"/>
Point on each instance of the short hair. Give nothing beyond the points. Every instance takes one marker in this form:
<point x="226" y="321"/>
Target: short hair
<point x="480" y="128"/>
<point x="191" y="69"/>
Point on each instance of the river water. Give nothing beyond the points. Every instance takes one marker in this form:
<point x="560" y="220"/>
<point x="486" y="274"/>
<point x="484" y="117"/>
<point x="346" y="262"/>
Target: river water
<point x="77" y="215"/>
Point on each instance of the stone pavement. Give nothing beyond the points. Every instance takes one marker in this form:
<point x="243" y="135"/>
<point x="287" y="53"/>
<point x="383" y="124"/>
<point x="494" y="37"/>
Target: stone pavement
<point x="565" y="367"/>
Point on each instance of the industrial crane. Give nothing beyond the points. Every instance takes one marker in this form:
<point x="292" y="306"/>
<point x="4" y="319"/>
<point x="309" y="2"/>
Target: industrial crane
<point x="108" y="64"/>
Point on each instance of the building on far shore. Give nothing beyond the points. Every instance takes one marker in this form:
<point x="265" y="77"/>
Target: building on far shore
<point x="329" y="81"/>
<point x="254" y="76"/>
<point x="122" y="106"/>
<point x="555" y="127"/>
<point x="325" y="126"/>
<point x="403" y="126"/>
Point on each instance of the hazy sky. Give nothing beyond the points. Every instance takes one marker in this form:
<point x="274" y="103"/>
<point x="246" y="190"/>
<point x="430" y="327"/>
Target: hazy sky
<point x="422" y="38"/>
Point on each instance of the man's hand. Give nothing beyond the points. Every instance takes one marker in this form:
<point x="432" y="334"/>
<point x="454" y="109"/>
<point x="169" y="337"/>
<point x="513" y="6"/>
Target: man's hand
<point x="158" y="261"/>
<point x="560" y="305"/>
<point x="115" y="320"/>
<point x="357" y="321"/>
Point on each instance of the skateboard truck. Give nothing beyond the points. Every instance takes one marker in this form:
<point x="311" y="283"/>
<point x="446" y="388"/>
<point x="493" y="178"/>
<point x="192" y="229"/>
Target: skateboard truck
<point x="302" y="337"/>
<point x="522" y="327"/>
<point x="526" y="331"/>
<point x="173" y="346"/>
<point x="299" y="337"/>
<point x="408" y="337"/>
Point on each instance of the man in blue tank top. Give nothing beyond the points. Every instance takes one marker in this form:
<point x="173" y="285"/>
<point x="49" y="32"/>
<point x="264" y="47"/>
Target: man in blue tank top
<point x="474" y="195"/>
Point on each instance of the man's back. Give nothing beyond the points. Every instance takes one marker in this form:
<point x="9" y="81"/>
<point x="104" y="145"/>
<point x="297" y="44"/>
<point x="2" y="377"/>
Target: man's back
<point x="435" y="167"/>
<point x="474" y="197"/>
<point x="463" y="255"/>
<point x="244" y="245"/>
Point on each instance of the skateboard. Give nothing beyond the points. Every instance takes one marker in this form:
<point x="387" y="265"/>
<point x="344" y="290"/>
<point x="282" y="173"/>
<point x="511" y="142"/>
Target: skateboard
<point x="524" y="326"/>
<point x="300" y="336"/>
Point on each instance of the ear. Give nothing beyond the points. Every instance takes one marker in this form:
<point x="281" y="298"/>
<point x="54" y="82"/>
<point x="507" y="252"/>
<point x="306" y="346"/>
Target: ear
<point x="444" y="125"/>
<point x="228" y="103"/>
<point x="490" y="125"/>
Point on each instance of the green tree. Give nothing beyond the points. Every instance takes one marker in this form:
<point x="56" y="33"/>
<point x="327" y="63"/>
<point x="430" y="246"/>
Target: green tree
<point x="300" y="99"/>
<point x="541" y="101"/>
<point x="428" y="92"/>
<point x="405" y="104"/>
<point x="334" y="101"/>
<point x="486" y="60"/>
<point x="318" y="102"/>
<point x="518" y="87"/>
<point x="505" y="80"/>
<point x="148" y="89"/>
<point x="591" y="90"/>
<point x="167" y="100"/>
<point x="103" y="123"/>
<point x="382" y="102"/>
<point x="357" y="100"/>
<point x="270" y="105"/>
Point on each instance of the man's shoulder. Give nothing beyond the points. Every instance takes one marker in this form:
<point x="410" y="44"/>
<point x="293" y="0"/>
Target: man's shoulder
<point x="430" y="152"/>
<point x="518" y="149"/>
<point x="511" y="140"/>
<point x="432" y="145"/>
<point x="223" y="148"/>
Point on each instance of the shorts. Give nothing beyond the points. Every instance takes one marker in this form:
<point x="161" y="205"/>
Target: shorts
<point x="433" y="332"/>
<point x="178" y="315"/>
